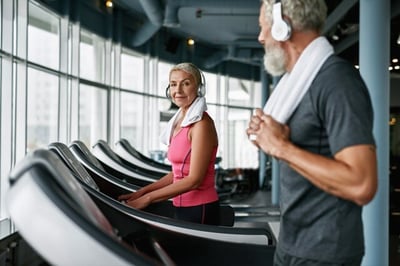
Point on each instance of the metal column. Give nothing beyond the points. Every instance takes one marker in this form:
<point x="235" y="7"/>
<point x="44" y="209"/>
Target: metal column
<point x="374" y="62"/>
<point x="275" y="168"/>
<point x="264" y="96"/>
<point x="265" y="82"/>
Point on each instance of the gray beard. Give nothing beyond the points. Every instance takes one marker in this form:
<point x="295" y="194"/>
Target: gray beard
<point x="274" y="60"/>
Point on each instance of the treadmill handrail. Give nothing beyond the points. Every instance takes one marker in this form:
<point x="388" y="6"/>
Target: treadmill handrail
<point x="124" y="145"/>
<point x="101" y="172"/>
<point x="103" y="157"/>
<point x="103" y="147"/>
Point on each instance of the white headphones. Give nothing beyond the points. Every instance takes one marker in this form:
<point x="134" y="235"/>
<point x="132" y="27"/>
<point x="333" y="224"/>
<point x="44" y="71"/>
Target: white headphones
<point x="281" y="29"/>
<point x="201" y="91"/>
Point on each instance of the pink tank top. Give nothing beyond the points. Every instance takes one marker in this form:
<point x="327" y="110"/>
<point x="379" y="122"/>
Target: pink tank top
<point x="179" y="153"/>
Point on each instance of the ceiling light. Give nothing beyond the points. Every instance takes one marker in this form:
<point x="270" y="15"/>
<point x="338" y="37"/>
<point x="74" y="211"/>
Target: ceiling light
<point x="395" y="60"/>
<point x="335" y="37"/>
<point x="392" y="121"/>
<point x="390" y="68"/>
<point x="398" y="40"/>
<point x="397" y="67"/>
<point x="190" y="42"/>
<point x="109" y="3"/>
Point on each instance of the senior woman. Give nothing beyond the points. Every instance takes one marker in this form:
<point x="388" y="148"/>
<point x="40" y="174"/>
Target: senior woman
<point x="192" y="147"/>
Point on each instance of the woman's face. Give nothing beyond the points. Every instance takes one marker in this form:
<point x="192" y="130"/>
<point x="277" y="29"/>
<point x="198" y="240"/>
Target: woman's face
<point x="183" y="88"/>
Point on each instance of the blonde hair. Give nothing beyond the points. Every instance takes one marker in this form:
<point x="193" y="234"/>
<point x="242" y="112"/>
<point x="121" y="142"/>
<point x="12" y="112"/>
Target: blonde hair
<point x="189" y="68"/>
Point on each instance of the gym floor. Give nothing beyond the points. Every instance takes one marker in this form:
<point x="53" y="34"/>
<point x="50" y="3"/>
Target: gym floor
<point x="255" y="210"/>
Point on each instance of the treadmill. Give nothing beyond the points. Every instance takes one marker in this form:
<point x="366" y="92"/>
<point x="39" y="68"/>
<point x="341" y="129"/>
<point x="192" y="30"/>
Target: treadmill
<point x="60" y="221"/>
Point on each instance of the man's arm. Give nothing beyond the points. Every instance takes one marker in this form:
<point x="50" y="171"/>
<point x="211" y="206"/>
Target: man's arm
<point x="351" y="174"/>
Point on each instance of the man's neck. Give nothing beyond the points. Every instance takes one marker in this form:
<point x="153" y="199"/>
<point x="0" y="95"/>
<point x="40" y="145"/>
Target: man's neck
<point x="296" y="45"/>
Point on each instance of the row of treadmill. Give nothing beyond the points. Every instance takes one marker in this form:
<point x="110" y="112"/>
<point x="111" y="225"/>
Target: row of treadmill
<point x="63" y="203"/>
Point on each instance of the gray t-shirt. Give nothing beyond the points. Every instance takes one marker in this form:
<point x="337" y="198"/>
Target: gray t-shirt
<point x="335" y="113"/>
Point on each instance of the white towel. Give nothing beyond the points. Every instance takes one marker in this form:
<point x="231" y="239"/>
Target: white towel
<point x="294" y="85"/>
<point x="193" y="114"/>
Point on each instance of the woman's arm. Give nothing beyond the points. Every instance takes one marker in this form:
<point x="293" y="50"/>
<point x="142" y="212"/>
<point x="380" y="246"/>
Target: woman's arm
<point x="162" y="182"/>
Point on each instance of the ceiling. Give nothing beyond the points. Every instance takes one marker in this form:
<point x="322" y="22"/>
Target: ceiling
<point x="225" y="31"/>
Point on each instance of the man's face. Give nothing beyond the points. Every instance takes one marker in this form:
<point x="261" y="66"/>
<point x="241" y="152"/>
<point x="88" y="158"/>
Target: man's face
<point x="275" y="57"/>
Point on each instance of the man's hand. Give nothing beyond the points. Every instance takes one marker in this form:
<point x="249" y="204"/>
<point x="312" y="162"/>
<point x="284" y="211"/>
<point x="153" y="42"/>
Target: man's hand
<point x="268" y="134"/>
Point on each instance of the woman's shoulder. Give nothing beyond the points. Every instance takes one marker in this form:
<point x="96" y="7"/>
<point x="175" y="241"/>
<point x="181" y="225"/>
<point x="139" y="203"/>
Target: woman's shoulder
<point x="207" y="119"/>
<point x="206" y="123"/>
<point x="206" y="115"/>
<point x="205" y="128"/>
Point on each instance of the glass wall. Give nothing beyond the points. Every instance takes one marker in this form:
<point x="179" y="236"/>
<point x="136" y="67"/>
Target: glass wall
<point x="43" y="47"/>
<point x="91" y="57"/>
<point x="132" y="118"/>
<point x="42" y="109"/>
<point x="93" y="109"/>
<point x="163" y="77"/>
<point x="43" y="37"/>
<point x="132" y="71"/>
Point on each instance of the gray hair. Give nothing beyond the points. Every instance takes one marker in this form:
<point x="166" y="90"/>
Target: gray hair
<point x="189" y="68"/>
<point x="303" y="14"/>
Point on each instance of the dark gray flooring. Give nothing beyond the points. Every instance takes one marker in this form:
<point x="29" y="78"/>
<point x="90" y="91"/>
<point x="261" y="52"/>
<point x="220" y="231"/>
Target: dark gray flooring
<point x="255" y="210"/>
